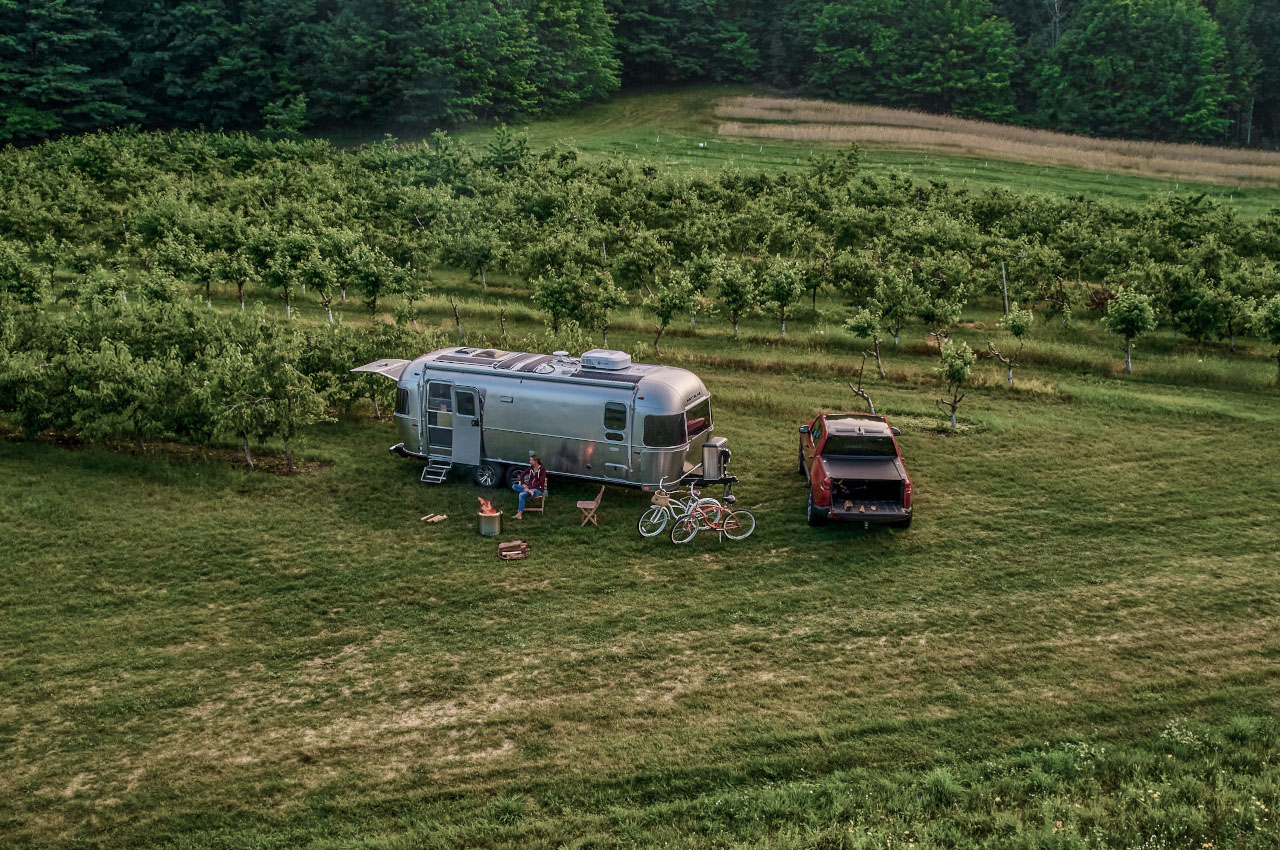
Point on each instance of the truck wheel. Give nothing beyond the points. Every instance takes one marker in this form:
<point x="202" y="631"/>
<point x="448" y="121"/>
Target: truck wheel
<point x="488" y="474"/>
<point x="903" y="523"/>
<point x="816" y="515"/>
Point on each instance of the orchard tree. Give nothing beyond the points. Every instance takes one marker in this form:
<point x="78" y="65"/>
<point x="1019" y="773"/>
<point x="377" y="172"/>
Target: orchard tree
<point x="738" y="291"/>
<point x="1017" y="323"/>
<point x="669" y="299"/>
<point x="896" y="299"/>
<point x="561" y="294"/>
<point x="373" y="273"/>
<point x="1268" y="324"/>
<point x="956" y="367"/>
<point x="603" y="296"/>
<point x="319" y="274"/>
<point x="1130" y="315"/>
<point x="781" y="285"/>
<point x="865" y="324"/>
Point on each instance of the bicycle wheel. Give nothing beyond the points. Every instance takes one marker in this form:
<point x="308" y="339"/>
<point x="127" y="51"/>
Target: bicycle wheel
<point x="738" y="525"/>
<point x="685" y="529"/>
<point x="652" y="521"/>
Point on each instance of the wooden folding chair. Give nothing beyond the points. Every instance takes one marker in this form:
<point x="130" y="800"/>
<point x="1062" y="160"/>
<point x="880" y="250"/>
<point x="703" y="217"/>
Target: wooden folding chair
<point x="589" y="508"/>
<point x="538" y="504"/>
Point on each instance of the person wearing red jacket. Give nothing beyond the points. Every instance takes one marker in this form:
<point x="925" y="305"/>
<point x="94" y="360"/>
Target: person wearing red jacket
<point x="533" y="482"/>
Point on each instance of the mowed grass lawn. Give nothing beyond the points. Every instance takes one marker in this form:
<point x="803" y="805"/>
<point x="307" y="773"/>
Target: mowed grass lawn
<point x="193" y="656"/>
<point x="685" y="129"/>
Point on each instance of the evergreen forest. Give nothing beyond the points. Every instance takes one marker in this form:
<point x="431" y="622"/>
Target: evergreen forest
<point x="1178" y="70"/>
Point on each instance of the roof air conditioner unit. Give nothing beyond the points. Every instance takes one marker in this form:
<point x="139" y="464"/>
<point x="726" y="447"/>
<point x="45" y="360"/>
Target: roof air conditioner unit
<point x="606" y="359"/>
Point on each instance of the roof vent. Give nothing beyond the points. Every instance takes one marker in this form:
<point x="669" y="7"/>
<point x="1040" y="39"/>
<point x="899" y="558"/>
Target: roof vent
<point x="605" y="359"/>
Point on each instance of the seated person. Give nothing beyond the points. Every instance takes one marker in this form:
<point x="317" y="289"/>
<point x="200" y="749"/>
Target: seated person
<point x="533" y="482"/>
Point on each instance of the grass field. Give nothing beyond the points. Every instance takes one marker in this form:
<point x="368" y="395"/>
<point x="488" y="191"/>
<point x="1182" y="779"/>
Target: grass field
<point x="1076" y="644"/>
<point x="681" y="130"/>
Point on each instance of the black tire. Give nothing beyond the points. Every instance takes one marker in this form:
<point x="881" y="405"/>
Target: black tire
<point x="488" y="474"/>
<point x="902" y="523"/>
<point x="816" y="516"/>
<point x="513" y="475"/>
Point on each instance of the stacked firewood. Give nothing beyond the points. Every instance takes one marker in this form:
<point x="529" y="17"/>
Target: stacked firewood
<point x="513" y="551"/>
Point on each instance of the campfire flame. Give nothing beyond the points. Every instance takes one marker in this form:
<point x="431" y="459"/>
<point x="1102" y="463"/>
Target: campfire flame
<point x="486" y="507"/>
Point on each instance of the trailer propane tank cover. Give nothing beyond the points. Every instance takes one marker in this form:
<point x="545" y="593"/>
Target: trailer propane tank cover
<point x="715" y="457"/>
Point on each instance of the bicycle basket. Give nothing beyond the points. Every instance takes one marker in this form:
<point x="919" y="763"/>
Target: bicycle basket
<point x="661" y="498"/>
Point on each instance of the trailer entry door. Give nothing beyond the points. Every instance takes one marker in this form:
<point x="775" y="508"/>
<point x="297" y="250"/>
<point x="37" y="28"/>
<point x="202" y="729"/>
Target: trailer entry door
<point x="440" y="419"/>
<point x="466" y="426"/>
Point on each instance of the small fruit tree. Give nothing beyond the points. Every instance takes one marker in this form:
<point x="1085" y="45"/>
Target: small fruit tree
<point x="1130" y="315"/>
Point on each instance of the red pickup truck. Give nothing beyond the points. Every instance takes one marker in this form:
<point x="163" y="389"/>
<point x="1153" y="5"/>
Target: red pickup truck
<point x="855" y="470"/>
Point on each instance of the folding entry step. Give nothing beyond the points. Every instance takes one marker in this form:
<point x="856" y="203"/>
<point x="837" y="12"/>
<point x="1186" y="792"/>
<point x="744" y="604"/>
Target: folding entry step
<point x="435" y="471"/>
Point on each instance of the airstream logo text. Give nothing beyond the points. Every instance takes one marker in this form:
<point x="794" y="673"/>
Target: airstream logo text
<point x="690" y="399"/>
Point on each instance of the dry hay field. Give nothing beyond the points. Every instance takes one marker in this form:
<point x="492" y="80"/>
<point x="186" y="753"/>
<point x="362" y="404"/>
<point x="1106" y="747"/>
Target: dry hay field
<point x="799" y="120"/>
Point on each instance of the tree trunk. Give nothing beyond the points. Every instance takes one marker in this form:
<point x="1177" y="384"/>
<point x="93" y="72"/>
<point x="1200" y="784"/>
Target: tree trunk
<point x="953" y="417"/>
<point x="875" y="341"/>
<point x="735" y="325"/>
<point x="344" y="293"/>
<point x="288" y="454"/>
<point x="604" y="331"/>
<point x="1010" y="374"/>
<point x="661" y="328"/>
<point x="377" y="411"/>
<point x="373" y="307"/>
<point x="813" y="301"/>
<point x="1128" y="359"/>
<point x="288" y="307"/>
<point x="328" y="308"/>
<point x="782" y="317"/>
<point x="240" y="295"/>
<point x="502" y="323"/>
<point x="693" y="323"/>
<point x="244" y="437"/>
<point x="484" y="284"/>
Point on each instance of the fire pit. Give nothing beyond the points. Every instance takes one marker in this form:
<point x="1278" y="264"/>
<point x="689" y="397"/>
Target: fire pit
<point x="490" y="518"/>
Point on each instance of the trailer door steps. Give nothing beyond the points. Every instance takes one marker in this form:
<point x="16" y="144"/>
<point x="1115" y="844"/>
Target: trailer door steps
<point x="435" y="471"/>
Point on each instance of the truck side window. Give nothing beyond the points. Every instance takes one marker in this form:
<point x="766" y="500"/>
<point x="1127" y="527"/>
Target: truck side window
<point x="615" y="416"/>
<point x="816" y="431"/>
<point x="662" y="431"/>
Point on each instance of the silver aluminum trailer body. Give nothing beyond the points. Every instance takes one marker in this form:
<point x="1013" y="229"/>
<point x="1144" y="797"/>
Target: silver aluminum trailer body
<point x="598" y="417"/>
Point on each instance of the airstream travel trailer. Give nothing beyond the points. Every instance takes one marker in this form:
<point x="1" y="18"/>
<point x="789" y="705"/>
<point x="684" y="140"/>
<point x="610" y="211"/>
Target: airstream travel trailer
<point x="599" y="417"/>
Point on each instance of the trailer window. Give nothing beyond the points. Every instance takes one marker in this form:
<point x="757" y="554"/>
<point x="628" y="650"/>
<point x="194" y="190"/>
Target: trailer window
<point x="698" y="418"/>
<point x="402" y="401"/>
<point x="438" y="397"/>
<point x="663" y="431"/>
<point x="615" y="416"/>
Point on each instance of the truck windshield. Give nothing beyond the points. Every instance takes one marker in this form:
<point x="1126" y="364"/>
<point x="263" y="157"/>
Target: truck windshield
<point x="842" y="445"/>
<point x="698" y="418"/>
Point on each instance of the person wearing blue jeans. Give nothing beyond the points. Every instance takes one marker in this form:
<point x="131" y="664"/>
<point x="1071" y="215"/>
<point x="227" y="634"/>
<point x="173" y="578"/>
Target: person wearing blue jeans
<point x="533" y="482"/>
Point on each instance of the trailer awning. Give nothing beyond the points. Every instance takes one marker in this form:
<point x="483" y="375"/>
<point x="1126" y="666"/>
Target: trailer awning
<point x="393" y="369"/>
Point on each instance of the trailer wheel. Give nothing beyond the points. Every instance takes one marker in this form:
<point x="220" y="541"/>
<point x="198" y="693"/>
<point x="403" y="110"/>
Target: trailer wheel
<point x="488" y="474"/>
<point x="513" y="475"/>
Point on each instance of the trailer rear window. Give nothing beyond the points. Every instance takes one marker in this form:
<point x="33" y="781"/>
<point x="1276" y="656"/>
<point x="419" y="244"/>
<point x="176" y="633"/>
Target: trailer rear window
<point x="698" y="418"/>
<point x="662" y="431"/>
<point x="402" y="401"/>
<point x="842" y="445"/>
